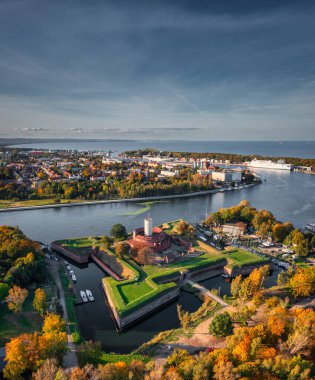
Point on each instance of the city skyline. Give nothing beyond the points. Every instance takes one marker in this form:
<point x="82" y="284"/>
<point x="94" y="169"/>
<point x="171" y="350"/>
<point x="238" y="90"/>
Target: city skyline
<point x="157" y="70"/>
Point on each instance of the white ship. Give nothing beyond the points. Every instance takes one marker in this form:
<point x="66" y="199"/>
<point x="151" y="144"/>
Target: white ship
<point x="268" y="164"/>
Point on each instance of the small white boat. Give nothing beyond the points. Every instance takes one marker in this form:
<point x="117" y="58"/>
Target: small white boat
<point x="74" y="278"/>
<point x="89" y="295"/>
<point x="83" y="296"/>
<point x="71" y="272"/>
<point x="68" y="267"/>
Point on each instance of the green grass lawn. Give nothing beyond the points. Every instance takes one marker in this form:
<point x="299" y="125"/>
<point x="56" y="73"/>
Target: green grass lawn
<point x="12" y="325"/>
<point x="239" y="258"/>
<point x="127" y="358"/>
<point x="34" y="202"/>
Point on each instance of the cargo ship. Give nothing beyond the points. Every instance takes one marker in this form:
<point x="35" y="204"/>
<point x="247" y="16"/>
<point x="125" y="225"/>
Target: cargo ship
<point x="268" y="164"/>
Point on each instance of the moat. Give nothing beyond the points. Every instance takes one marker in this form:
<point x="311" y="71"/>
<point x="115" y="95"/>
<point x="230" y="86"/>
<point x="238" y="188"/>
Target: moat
<point x="290" y="196"/>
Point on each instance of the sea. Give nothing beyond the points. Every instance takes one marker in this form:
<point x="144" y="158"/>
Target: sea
<point x="302" y="149"/>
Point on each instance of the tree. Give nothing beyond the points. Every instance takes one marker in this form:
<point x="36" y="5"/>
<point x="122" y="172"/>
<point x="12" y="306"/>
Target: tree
<point x="281" y="231"/>
<point x="221" y="325"/>
<point x="107" y="241"/>
<point x="39" y="302"/>
<point x="22" y="354"/>
<point x="145" y="256"/>
<point x="16" y="298"/>
<point x="89" y="352"/>
<point x="54" y="338"/>
<point x="4" y="291"/>
<point x="118" y="232"/>
<point x="181" y="227"/>
<point x="184" y="318"/>
<point x="48" y="371"/>
<point x="191" y="231"/>
<point x="236" y="285"/>
<point x="301" y="284"/>
<point x="121" y="249"/>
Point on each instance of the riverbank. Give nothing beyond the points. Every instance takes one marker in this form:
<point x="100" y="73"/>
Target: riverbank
<point x="109" y="201"/>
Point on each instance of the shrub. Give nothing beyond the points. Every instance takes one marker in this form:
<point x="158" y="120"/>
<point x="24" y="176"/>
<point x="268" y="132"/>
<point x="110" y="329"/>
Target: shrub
<point x="76" y="337"/>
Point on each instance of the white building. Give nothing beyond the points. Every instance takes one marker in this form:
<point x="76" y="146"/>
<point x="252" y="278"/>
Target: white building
<point x="227" y="176"/>
<point x="148" y="226"/>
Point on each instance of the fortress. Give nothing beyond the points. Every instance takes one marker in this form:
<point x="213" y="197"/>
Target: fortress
<point x="150" y="237"/>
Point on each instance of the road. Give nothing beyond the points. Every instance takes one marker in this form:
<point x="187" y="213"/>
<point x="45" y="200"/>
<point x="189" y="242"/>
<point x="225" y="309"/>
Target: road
<point x="70" y="359"/>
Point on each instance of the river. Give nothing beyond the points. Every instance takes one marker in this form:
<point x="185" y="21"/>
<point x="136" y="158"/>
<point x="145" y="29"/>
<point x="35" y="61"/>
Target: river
<point x="290" y="196"/>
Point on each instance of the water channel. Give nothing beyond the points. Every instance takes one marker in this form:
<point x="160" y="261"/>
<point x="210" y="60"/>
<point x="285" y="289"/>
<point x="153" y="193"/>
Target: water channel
<point x="290" y="196"/>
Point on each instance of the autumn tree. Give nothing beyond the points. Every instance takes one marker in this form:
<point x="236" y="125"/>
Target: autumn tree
<point x="145" y="256"/>
<point x="181" y="227"/>
<point x="121" y="249"/>
<point x="236" y="285"/>
<point x="39" y="302"/>
<point x="22" y="354"/>
<point x="184" y="318"/>
<point x="16" y="298"/>
<point x="302" y="283"/>
<point x="281" y="231"/>
<point x="54" y="337"/>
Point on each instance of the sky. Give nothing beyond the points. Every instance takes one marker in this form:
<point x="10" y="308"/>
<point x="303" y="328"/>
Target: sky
<point x="145" y="69"/>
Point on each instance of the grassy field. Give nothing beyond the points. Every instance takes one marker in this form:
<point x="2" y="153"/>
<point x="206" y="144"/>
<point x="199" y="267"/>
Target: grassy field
<point x="12" y="324"/>
<point x="239" y="258"/>
<point x="127" y="358"/>
<point x="34" y="202"/>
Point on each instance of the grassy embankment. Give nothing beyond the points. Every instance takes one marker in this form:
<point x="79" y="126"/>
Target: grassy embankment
<point x="34" y="202"/>
<point x="69" y="300"/>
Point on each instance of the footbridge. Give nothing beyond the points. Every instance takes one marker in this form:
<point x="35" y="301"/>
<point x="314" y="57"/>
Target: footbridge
<point x="206" y="292"/>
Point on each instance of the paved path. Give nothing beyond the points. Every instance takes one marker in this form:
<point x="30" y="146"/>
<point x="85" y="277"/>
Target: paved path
<point x="70" y="359"/>
<point x="206" y="292"/>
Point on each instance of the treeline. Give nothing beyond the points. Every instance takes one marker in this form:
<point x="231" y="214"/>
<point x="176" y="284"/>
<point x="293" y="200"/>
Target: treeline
<point x="265" y="224"/>
<point x="238" y="158"/>
<point x="277" y="345"/>
<point x="21" y="260"/>
<point x="88" y="190"/>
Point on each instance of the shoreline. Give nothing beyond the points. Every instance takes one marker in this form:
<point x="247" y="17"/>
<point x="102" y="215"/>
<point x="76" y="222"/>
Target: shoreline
<point x="109" y="201"/>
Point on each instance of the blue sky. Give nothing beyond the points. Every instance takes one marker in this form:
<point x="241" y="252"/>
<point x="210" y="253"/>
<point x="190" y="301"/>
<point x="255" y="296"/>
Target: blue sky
<point x="213" y="70"/>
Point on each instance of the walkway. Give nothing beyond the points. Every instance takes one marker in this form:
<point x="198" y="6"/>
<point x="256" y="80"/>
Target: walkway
<point x="70" y="359"/>
<point x="206" y="292"/>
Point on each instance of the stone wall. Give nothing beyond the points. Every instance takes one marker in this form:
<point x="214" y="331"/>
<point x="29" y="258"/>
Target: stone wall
<point x="81" y="259"/>
<point x="205" y="273"/>
<point x="244" y="270"/>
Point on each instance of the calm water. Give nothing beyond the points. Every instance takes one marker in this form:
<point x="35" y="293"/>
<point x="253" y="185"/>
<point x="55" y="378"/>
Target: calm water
<point x="305" y="149"/>
<point x="290" y="196"/>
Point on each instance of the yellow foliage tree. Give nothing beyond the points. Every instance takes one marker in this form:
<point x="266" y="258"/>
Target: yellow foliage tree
<point x="16" y="298"/>
<point x="39" y="302"/>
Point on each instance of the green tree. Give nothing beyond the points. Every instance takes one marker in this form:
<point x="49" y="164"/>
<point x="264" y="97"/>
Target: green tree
<point x="89" y="352"/>
<point x="118" y="232"/>
<point x="4" y="291"/>
<point x="221" y="325"/>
